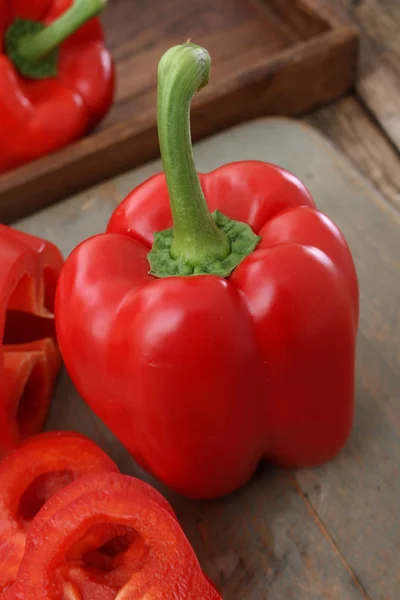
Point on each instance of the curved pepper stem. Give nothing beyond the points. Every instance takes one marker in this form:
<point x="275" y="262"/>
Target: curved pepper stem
<point x="33" y="47"/>
<point x="197" y="240"/>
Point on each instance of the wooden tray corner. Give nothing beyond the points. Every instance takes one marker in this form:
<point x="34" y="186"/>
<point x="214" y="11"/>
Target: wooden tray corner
<point x="269" y="58"/>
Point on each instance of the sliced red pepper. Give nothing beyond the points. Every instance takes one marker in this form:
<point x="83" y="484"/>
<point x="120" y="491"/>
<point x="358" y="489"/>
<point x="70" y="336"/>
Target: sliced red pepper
<point x="29" y="476"/>
<point x="29" y="355"/>
<point x="109" y="536"/>
<point x="56" y="76"/>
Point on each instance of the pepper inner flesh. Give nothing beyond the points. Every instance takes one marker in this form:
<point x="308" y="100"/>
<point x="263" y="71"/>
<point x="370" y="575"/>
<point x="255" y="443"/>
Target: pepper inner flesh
<point x="29" y="400"/>
<point x="40" y="490"/>
<point x="24" y="328"/>
<point x="29" y="344"/>
<point x="103" y="560"/>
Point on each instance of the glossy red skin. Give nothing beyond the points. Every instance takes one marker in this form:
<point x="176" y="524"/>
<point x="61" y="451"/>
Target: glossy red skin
<point x="41" y="116"/>
<point x="48" y="462"/>
<point x="202" y="377"/>
<point x="158" y="563"/>
<point x="29" y="355"/>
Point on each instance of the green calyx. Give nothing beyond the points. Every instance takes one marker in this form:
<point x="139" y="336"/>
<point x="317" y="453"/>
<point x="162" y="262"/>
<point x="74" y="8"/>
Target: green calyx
<point x="199" y="242"/>
<point x="21" y="29"/>
<point x="33" y="46"/>
<point x="242" y="242"/>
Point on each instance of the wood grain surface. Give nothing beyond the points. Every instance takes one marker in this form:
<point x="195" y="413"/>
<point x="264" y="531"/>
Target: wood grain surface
<point x="268" y="57"/>
<point x="319" y="534"/>
<point x="349" y="126"/>
<point x="378" y="83"/>
<point x="365" y="126"/>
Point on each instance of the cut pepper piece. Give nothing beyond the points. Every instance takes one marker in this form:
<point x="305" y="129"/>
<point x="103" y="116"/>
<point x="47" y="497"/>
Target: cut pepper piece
<point x="29" y="356"/>
<point x="119" y="540"/>
<point x="29" y="476"/>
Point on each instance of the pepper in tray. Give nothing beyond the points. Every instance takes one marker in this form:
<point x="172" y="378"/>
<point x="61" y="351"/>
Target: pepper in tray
<point x="56" y="76"/>
<point x="29" y="355"/>
<point x="214" y="323"/>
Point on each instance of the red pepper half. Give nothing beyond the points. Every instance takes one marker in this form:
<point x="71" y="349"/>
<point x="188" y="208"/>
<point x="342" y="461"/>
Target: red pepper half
<point x="29" y="355"/>
<point x="56" y="76"/>
<point x="226" y="337"/>
<point x="29" y="476"/>
<point x="109" y="536"/>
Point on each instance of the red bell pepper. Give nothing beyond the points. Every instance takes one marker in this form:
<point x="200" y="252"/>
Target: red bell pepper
<point x="29" y="476"/>
<point x="29" y="355"/>
<point x="109" y="536"/>
<point x="56" y="76"/>
<point x="239" y="344"/>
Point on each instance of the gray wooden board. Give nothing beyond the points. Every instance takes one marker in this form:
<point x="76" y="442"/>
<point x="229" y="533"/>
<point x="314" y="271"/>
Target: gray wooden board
<point x="330" y="533"/>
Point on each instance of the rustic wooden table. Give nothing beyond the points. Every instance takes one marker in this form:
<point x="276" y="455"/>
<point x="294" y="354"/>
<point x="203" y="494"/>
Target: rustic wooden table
<point x="330" y="533"/>
<point x="366" y="125"/>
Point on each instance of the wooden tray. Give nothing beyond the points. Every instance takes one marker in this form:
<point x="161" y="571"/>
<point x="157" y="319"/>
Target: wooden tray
<point x="329" y="533"/>
<point x="269" y="57"/>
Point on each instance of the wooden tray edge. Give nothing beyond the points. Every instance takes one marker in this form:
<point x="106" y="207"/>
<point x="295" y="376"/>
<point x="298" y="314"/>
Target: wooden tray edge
<point x="53" y="178"/>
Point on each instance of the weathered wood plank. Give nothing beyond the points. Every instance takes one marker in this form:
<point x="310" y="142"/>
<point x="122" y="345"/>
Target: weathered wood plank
<point x="379" y="73"/>
<point x="334" y="536"/>
<point x="349" y="127"/>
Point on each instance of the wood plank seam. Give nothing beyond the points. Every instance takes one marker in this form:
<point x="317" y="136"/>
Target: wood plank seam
<point x="349" y="127"/>
<point x="375" y="120"/>
<point x="380" y="130"/>
<point x="378" y="82"/>
<point x="313" y="512"/>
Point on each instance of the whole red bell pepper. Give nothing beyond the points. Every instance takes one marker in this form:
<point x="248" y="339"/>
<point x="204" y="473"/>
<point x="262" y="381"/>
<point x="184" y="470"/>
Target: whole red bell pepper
<point x="109" y="536"/>
<point x="221" y="339"/>
<point x="56" y="76"/>
<point x="29" y="355"/>
<point x="29" y="476"/>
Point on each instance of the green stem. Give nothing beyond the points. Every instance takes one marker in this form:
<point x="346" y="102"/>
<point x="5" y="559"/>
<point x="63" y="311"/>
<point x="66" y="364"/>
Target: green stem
<point x="197" y="241"/>
<point x="36" y="46"/>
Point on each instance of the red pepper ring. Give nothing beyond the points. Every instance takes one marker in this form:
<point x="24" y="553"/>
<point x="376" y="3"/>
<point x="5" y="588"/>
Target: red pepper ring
<point x="29" y="476"/>
<point x="29" y="355"/>
<point x="149" y="558"/>
<point x="91" y="482"/>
